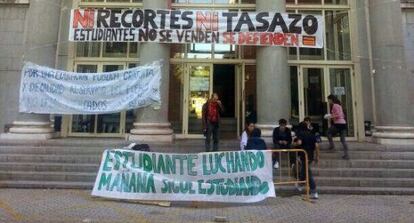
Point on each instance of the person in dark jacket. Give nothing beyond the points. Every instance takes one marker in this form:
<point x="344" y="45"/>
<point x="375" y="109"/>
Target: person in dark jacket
<point x="255" y="142"/>
<point x="282" y="139"/>
<point x="308" y="142"/>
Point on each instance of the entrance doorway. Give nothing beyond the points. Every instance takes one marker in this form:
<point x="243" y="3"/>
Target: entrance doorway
<point x="310" y="86"/>
<point x="200" y="82"/>
<point x="224" y="84"/>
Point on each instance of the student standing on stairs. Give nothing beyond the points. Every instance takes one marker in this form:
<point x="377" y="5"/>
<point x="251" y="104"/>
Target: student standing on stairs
<point x="337" y="117"/>
<point x="306" y="139"/>
<point x="211" y="113"/>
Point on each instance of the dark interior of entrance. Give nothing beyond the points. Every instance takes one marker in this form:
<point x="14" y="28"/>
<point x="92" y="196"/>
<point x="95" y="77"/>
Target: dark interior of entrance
<point x="224" y="85"/>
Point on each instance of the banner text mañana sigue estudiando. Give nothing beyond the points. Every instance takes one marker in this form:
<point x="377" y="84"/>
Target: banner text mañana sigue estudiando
<point x="245" y="176"/>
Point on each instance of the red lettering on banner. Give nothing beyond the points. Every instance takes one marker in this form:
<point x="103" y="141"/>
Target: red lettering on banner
<point x="228" y="38"/>
<point x="266" y="39"/>
<point x="248" y="38"/>
<point x="209" y="21"/>
<point x="294" y="41"/>
<point x="278" y="39"/>
<point x="87" y="20"/>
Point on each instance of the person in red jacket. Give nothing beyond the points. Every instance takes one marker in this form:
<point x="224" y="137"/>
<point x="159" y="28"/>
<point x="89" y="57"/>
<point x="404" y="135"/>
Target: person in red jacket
<point x="212" y="111"/>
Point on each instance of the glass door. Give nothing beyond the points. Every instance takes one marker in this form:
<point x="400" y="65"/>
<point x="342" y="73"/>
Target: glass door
<point x="314" y="97"/>
<point x="199" y="90"/>
<point x="108" y="125"/>
<point x="84" y="124"/>
<point x="315" y="83"/>
<point x="340" y="83"/>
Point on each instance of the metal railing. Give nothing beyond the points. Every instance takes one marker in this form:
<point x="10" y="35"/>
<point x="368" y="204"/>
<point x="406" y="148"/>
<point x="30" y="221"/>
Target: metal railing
<point x="289" y="176"/>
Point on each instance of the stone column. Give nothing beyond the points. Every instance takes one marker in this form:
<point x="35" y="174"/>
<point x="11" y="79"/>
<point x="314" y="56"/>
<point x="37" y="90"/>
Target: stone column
<point x="273" y="81"/>
<point x="41" y="36"/>
<point x="392" y="81"/>
<point x="151" y="124"/>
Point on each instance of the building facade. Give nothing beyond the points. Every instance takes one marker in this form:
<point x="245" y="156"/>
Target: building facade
<point x="367" y="61"/>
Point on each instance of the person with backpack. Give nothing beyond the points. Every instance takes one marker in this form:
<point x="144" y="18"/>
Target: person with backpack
<point x="211" y="113"/>
<point x="337" y="117"/>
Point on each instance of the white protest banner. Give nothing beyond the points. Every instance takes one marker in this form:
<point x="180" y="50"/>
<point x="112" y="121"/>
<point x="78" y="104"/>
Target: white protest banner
<point x="197" y="26"/>
<point x="234" y="176"/>
<point x="48" y="91"/>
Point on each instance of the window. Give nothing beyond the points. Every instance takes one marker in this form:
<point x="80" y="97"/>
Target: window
<point x="338" y="42"/>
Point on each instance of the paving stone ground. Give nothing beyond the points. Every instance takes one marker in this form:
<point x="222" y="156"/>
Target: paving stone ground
<point x="17" y="205"/>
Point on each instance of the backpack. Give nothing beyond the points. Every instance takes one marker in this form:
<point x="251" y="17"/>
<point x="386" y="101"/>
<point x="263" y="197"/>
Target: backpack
<point x="212" y="112"/>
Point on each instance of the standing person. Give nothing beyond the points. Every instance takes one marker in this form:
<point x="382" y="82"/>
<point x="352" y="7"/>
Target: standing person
<point x="307" y="140"/>
<point x="246" y="134"/>
<point x="339" y="124"/>
<point x="212" y="110"/>
<point x="255" y="142"/>
<point x="282" y="139"/>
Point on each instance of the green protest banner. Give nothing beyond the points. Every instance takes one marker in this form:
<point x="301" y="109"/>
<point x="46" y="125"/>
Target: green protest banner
<point x="234" y="176"/>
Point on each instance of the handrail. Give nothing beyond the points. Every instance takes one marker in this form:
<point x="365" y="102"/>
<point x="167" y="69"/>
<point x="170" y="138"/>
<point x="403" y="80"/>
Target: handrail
<point x="298" y="181"/>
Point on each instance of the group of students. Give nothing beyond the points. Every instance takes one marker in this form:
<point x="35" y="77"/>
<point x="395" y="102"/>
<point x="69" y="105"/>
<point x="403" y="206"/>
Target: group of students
<point x="305" y="137"/>
<point x="282" y="139"/>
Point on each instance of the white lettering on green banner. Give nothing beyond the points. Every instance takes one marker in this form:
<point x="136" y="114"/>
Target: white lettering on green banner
<point x="237" y="176"/>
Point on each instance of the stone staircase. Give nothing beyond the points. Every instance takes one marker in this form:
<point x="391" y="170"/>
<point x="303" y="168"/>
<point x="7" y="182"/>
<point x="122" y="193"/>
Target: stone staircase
<point x="73" y="163"/>
<point x="373" y="169"/>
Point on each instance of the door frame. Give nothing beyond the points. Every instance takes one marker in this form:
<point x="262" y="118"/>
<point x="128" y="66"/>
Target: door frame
<point x="186" y="95"/>
<point x="239" y="100"/>
<point x="327" y="91"/>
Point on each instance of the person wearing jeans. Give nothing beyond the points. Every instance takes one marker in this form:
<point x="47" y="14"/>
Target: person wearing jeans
<point x="212" y="110"/>
<point x="306" y="140"/>
<point x="339" y="124"/>
<point x="282" y="139"/>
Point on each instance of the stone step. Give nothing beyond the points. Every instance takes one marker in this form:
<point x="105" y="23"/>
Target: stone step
<point x="280" y="190"/>
<point x="371" y="155"/>
<point x="365" y="172"/>
<point x="50" y="150"/>
<point x="366" y="190"/>
<point x="96" y="150"/>
<point x="351" y="172"/>
<point x="291" y="190"/>
<point x="47" y="176"/>
<point x="98" y="142"/>
<point x="364" y="182"/>
<point x="49" y="167"/>
<point x="26" y="184"/>
<point x="99" y="150"/>
<point x="361" y="163"/>
<point x="372" y="148"/>
<point x="88" y="159"/>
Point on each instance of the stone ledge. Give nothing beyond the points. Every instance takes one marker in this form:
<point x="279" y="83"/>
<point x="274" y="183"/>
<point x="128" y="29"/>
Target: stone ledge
<point x="151" y="133"/>
<point x="27" y="136"/>
<point x="394" y="135"/>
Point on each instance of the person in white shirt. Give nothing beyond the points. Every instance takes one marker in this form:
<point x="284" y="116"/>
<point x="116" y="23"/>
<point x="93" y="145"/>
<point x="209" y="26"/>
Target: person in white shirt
<point x="250" y="126"/>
